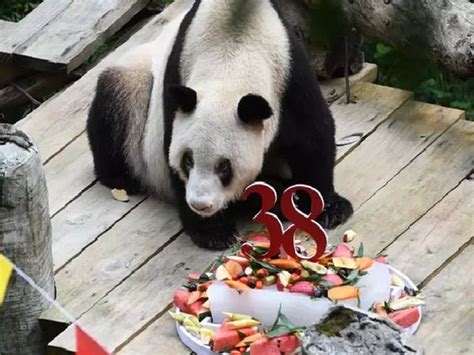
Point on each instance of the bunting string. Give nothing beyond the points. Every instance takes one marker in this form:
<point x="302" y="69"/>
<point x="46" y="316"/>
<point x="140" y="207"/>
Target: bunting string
<point x="85" y="344"/>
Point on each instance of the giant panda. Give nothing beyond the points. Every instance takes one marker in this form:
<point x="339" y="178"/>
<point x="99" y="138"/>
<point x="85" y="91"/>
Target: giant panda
<point x="224" y="96"/>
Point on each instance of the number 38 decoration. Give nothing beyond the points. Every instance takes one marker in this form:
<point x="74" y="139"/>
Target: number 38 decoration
<point x="280" y="237"/>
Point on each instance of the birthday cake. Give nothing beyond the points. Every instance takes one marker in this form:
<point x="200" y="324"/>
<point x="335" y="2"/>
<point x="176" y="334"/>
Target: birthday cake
<point x="246" y="304"/>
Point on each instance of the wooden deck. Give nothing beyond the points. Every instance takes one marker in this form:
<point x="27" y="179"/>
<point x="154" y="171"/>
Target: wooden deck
<point x="409" y="176"/>
<point x="61" y="34"/>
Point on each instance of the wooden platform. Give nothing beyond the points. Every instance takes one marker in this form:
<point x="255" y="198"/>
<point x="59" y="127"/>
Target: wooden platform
<point x="408" y="169"/>
<point x="61" y="34"/>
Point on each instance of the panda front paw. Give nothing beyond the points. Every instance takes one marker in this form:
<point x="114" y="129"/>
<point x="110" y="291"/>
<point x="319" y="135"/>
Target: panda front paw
<point x="337" y="211"/>
<point x="216" y="240"/>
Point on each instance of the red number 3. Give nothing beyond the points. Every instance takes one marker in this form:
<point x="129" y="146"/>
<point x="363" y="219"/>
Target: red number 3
<point x="286" y="238"/>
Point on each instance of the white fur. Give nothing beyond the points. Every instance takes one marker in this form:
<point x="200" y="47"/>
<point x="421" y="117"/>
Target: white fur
<point x="156" y="165"/>
<point x="233" y="48"/>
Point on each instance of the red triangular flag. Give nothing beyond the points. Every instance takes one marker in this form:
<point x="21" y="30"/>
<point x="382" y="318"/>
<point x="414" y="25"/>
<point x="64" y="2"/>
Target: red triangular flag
<point x="85" y="345"/>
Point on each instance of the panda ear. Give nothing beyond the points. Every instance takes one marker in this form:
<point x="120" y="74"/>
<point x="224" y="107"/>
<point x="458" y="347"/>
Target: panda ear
<point x="185" y="98"/>
<point x="254" y="108"/>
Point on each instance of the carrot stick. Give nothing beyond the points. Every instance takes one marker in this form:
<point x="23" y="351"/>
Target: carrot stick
<point x="342" y="293"/>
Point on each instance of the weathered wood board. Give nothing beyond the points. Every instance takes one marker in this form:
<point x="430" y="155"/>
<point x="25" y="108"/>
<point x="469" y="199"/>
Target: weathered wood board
<point x="390" y="148"/>
<point x="61" y="34"/>
<point x="448" y="323"/>
<point x="415" y="190"/>
<point x="438" y="235"/>
<point x="141" y="298"/>
<point x="69" y="173"/>
<point x="85" y="219"/>
<point x="114" y="256"/>
<point x="158" y="338"/>
<point x="355" y="121"/>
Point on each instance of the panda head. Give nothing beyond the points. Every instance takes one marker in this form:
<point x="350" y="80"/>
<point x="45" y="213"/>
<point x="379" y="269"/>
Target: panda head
<point x="217" y="145"/>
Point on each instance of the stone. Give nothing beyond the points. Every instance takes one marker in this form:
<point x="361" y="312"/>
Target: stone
<point x="348" y="331"/>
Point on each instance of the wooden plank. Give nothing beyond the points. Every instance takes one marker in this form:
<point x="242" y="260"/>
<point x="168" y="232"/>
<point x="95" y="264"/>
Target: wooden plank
<point x="61" y="34"/>
<point x="447" y="327"/>
<point x="61" y="119"/>
<point x="335" y="88"/>
<point x="416" y="189"/>
<point x="83" y="221"/>
<point x="390" y="148"/>
<point x="374" y="105"/>
<point x="6" y="27"/>
<point x="33" y="23"/>
<point x="76" y="33"/>
<point x="437" y="235"/>
<point x="159" y="338"/>
<point x="69" y="173"/>
<point x="112" y="258"/>
<point x="141" y="298"/>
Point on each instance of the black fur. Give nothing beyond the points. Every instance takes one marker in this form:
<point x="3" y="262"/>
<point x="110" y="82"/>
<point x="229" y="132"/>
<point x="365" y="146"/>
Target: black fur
<point x="218" y="231"/>
<point x="254" y="108"/>
<point x="107" y="128"/>
<point x="183" y="98"/>
<point x="306" y="136"/>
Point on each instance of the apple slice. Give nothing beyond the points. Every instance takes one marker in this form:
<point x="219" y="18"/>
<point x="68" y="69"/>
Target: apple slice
<point x="243" y="262"/>
<point x="222" y="273"/>
<point x="233" y="267"/>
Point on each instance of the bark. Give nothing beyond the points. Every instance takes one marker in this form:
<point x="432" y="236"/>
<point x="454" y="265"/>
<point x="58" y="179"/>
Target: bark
<point x="328" y="61"/>
<point x="25" y="237"/>
<point x="441" y="30"/>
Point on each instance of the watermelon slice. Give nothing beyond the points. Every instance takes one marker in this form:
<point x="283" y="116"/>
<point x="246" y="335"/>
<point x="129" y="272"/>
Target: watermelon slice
<point x="406" y="317"/>
<point x="227" y="339"/>
<point x="342" y="251"/>
<point x="336" y="280"/>
<point x="285" y="344"/>
<point x="304" y="287"/>
<point x="180" y="299"/>
<point x="199" y="310"/>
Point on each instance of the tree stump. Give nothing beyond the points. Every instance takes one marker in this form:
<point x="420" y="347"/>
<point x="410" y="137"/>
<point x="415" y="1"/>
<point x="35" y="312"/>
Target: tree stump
<point x="25" y="238"/>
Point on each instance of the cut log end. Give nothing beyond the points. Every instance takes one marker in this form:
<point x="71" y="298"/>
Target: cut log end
<point x="25" y="238"/>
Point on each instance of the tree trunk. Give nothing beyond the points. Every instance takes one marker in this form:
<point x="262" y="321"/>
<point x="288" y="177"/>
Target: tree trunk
<point x="329" y="60"/>
<point x="442" y="30"/>
<point x="25" y="238"/>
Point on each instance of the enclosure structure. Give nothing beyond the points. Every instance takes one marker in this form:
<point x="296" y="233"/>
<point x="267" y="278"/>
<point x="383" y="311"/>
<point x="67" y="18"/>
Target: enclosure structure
<point x="406" y="166"/>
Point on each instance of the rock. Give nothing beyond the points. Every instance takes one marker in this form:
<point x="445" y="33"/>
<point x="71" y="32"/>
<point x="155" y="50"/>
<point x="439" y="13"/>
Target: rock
<point x="347" y="331"/>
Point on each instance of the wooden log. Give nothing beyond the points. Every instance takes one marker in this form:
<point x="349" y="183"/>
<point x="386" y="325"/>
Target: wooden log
<point x="25" y="237"/>
<point x="441" y="30"/>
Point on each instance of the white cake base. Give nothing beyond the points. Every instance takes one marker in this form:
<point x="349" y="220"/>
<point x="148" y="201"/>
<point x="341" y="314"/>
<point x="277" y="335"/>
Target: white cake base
<point x="195" y="344"/>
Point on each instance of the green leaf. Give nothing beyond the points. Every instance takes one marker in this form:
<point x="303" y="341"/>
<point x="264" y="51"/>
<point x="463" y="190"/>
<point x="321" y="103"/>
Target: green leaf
<point x="462" y="105"/>
<point x="360" y="251"/>
<point x="383" y="50"/>
<point x="258" y="264"/>
<point x="282" y="330"/>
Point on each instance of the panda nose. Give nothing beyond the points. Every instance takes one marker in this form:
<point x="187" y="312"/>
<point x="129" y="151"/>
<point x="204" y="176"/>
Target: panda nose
<point x="201" y="207"/>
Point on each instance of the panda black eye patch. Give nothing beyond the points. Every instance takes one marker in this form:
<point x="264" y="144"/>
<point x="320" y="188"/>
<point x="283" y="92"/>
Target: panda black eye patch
<point x="223" y="169"/>
<point x="187" y="162"/>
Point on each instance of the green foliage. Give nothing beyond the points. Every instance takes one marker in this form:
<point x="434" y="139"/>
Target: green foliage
<point x="15" y="10"/>
<point x="428" y="82"/>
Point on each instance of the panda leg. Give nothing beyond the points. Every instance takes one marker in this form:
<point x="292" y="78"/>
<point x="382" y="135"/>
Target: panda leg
<point x="107" y="130"/>
<point x="314" y="165"/>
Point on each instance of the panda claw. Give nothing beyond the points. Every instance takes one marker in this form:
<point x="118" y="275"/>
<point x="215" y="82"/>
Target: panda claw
<point x="337" y="211"/>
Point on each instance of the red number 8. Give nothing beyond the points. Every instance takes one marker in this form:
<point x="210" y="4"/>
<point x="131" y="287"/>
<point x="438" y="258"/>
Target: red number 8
<point x="286" y="238"/>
